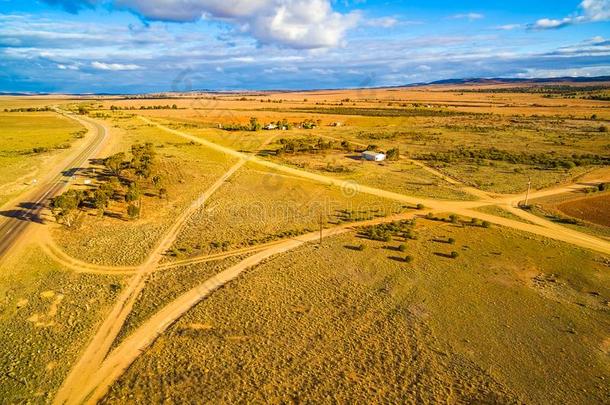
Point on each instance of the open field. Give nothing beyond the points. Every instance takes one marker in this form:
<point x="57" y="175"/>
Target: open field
<point x="28" y="143"/>
<point x="592" y="209"/>
<point x="188" y="246"/>
<point x="47" y="313"/>
<point x="346" y="325"/>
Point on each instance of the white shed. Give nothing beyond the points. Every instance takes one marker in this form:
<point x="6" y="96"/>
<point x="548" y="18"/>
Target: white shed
<point x="373" y="156"/>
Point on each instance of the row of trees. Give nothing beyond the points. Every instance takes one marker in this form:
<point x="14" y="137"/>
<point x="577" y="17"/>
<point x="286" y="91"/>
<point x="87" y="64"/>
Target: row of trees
<point x="144" y="107"/>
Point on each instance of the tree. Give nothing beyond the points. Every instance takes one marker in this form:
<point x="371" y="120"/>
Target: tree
<point x="453" y="218"/>
<point x="402" y="248"/>
<point x="603" y="128"/>
<point x="115" y="162"/>
<point x="408" y="259"/>
<point x="454" y="255"/>
<point x="133" y="193"/>
<point x="451" y="241"/>
<point x="162" y="193"/>
<point x="64" y="206"/>
<point x="143" y="158"/>
<point x="420" y="206"/>
<point x="254" y="124"/>
<point x="133" y="211"/>
<point x="393" y="154"/>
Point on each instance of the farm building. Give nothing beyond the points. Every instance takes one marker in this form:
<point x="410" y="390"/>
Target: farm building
<point x="373" y="156"/>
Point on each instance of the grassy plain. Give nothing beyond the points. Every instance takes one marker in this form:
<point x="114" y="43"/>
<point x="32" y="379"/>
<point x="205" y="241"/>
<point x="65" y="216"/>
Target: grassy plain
<point x="511" y="318"/>
<point x="338" y="324"/>
<point x="28" y="142"/>
<point x="47" y="312"/>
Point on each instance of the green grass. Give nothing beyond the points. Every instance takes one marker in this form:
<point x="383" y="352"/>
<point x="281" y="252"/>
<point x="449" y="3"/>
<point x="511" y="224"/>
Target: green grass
<point x="360" y="326"/>
<point x="20" y="133"/>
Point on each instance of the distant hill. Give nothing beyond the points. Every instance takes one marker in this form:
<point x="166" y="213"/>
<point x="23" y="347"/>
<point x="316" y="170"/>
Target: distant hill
<point x="521" y="81"/>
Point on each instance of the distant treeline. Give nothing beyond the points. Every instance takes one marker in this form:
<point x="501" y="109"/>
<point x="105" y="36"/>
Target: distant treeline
<point x="381" y="112"/>
<point x="543" y="160"/>
<point x="28" y="109"/>
<point x="558" y="89"/>
<point x="143" y="107"/>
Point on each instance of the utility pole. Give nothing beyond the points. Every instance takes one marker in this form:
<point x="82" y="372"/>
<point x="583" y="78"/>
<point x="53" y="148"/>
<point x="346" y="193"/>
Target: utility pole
<point x="527" y="195"/>
<point x="321" y="228"/>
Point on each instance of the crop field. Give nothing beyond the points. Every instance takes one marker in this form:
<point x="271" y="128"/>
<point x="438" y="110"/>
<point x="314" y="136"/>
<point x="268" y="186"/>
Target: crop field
<point x="47" y="312"/>
<point x="28" y="141"/>
<point x="593" y="209"/>
<point x="339" y="324"/>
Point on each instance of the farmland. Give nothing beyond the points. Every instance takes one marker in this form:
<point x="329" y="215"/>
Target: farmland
<point x="196" y="254"/>
<point x="29" y="141"/>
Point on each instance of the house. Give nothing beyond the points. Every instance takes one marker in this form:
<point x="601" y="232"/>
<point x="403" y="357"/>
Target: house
<point x="373" y="156"/>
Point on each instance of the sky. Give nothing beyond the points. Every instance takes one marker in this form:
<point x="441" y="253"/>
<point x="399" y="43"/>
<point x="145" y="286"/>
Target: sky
<point x="138" y="46"/>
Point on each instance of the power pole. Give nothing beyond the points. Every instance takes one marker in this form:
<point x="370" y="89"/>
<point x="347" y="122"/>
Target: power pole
<point x="527" y="195"/>
<point x="321" y="228"/>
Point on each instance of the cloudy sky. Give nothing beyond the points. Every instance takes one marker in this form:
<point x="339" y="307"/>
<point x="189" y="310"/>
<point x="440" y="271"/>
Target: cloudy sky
<point x="121" y="46"/>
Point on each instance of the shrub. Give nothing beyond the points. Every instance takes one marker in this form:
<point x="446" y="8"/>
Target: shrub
<point x="602" y="187"/>
<point x="360" y="247"/>
<point x="486" y="224"/>
<point x="451" y="241"/>
<point x="133" y="211"/>
<point x="420" y="206"/>
<point x="408" y="259"/>
<point x="453" y="218"/>
<point x="454" y="255"/>
<point x="402" y="248"/>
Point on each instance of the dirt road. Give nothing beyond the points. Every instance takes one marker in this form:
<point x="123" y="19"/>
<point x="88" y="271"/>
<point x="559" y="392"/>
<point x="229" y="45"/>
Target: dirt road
<point x="32" y="204"/>
<point x="88" y="364"/>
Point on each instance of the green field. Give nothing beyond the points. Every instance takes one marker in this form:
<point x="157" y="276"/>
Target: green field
<point x="27" y="142"/>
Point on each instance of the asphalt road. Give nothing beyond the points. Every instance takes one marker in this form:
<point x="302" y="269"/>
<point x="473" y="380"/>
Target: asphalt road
<point x="15" y="221"/>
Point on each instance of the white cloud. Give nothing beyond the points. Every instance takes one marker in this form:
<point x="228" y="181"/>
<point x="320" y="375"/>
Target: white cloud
<point x="509" y="27"/>
<point x="304" y="24"/>
<point x="468" y="16"/>
<point x="590" y="11"/>
<point x="384" y="22"/>
<point x="114" y="66"/>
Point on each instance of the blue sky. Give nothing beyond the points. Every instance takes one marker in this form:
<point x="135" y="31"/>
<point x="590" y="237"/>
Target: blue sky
<point x="131" y="46"/>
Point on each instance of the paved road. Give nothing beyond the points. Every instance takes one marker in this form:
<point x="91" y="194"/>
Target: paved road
<point x="14" y="224"/>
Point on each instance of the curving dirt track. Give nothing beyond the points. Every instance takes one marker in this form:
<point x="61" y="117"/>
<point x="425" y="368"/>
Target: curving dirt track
<point x="94" y="372"/>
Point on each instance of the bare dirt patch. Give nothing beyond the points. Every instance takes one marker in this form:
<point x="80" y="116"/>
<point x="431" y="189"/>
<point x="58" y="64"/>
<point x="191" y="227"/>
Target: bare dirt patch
<point x="592" y="209"/>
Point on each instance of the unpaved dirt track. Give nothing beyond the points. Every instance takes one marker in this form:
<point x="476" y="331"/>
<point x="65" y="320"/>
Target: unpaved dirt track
<point x="12" y="228"/>
<point x="88" y="364"/>
<point x="121" y="357"/>
<point x="547" y="228"/>
<point x="93" y="374"/>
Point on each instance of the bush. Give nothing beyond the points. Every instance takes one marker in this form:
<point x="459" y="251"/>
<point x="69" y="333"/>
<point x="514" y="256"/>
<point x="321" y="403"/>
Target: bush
<point x="408" y="259"/>
<point x="453" y="218"/>
<point x="402" y="248"/>
<point x="360" y="247"/>
<point x="486" y="224"/>
<point x="455" y="255"/>
<point x="602" y="187"/>
<point x="420" y="206"/>
<point x="133" y="211"/>
<point x="451" y="241"/>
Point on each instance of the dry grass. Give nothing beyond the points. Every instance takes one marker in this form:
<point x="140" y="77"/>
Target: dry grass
<point x="258" y="206"/>
<point x="46" y="315"/>
<point x="187" y="169"/>
<point x="335" y="324"/>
